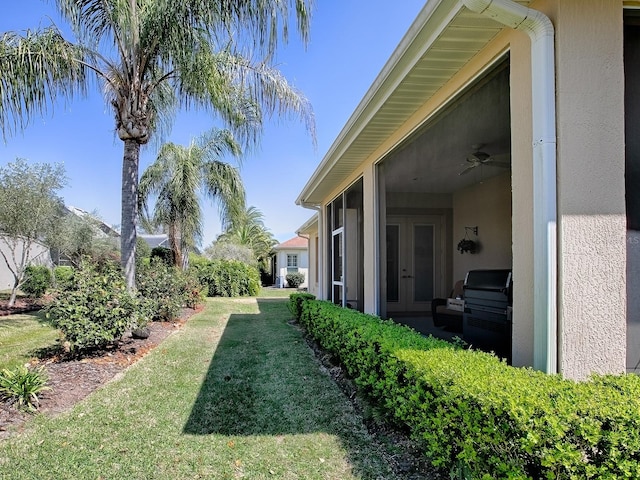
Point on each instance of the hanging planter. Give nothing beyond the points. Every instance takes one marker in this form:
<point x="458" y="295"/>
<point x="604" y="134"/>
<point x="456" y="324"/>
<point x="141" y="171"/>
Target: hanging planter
<point x="466" y="245"/>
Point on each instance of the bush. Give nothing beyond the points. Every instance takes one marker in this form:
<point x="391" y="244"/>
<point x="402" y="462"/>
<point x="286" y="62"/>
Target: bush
<point x="37" y="279"/>
<point x="164" y="287"/>
<point x="143" y="252"/>
<point x="22" y="386"/>
<point x="229" y="278"/>
<point x="296" y="300"/>
<point x="97" y="309"/>
<point x="477" y="415"/>
<point x="295" y="279"/>
<point x="63" y="277"/>
<point x="165" y="254"/>
<point x="193" y="292"/>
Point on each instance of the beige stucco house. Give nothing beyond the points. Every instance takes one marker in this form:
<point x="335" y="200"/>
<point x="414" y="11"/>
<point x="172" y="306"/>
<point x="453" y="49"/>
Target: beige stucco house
<point x="518" y="118"/>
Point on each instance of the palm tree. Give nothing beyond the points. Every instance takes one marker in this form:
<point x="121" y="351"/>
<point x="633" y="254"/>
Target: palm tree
<point x="177" y="177"/>
<point x="151" y="57"/>
<point x="247" y="228"/>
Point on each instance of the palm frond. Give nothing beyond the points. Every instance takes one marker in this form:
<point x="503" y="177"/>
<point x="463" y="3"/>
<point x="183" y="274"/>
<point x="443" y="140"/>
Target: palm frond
<point x="34" y="70"/>
<point x="223" y="183"/>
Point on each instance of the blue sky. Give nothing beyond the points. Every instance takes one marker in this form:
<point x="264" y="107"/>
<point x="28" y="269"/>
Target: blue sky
<point x="350" y="42"/>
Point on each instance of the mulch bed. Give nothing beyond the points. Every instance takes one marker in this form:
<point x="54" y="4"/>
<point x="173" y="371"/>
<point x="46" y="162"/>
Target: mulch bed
<point x="71" y="378"/>
<point x="22" y="305"/>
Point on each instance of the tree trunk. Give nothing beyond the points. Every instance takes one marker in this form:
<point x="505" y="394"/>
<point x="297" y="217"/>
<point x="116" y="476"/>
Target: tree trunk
<point x="14" y="293"/>
<point x="174" y="244"/>
<point x="129" y="219"/>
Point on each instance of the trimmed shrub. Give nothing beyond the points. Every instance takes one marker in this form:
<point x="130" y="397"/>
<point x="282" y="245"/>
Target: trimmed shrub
<point x="478" y="416"/>
<point x="96" y="310"/>
<point x="229" y="278"/>
<point x="37" y="279"/>
<point x="295" y="279"/>
<point x="295" y="303"/>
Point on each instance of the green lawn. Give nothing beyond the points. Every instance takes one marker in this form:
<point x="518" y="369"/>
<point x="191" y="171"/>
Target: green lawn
<point x="272" y="292"/>
<point x="21" y="336"/>
<point x="236" y="393"/>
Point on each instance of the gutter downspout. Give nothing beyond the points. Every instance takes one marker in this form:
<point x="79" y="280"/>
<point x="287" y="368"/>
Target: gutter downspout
<point x="541" y="32"/>
<point x="318" y="208"/>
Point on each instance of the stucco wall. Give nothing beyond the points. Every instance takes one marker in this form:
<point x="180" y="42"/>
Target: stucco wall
<point x="312" y="273"/>
<point x="486" y="205"/>
<point x="591" y="205"/>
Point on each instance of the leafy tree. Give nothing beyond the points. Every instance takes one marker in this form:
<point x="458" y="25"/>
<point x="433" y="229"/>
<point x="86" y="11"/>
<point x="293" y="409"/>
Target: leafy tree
<point x="247" y="229"/>
<point x="149" y="58"/>
<point x="78" y="237"/>
<point x="29" y="214"/>
<point x="177" y="177"/>
<point x="224" y="250"/>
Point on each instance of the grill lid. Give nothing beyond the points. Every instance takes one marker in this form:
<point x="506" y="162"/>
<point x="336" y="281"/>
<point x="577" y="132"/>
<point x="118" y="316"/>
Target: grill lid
<point x="488" y="280"/>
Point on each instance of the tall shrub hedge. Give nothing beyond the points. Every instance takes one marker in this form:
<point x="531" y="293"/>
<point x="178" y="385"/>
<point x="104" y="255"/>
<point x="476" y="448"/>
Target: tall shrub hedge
<point x="228" y="278"/>
<point x="477" y="415"/>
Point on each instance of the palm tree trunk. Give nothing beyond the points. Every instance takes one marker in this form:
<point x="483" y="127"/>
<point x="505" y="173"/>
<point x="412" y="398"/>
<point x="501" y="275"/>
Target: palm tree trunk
<point x="130" y="164"/>
<point x="174" y="244"/>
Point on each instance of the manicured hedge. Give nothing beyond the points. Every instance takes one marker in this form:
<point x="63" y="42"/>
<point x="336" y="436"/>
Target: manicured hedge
<point x="475" y="414"/>
<point x="228" y="278"/>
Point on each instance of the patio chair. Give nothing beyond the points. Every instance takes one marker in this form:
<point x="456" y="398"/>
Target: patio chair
<point x="446" y="317"/>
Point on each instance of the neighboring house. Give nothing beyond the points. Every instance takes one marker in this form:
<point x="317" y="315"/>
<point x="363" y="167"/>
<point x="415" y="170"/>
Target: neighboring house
<point x="550" y="88"/>
<point x="155" y="240"/>
<point x="42" y="254"/>
<point x="104" y="230"/>
<point x="38" y="255"/>
<point x="290" y="257"/>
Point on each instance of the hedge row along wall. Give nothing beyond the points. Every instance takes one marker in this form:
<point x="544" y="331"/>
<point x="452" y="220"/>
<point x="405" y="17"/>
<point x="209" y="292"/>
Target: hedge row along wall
<point x="476" y="414"/>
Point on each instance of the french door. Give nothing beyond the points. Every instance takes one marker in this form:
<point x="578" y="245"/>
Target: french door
<point x="415" y="250"/>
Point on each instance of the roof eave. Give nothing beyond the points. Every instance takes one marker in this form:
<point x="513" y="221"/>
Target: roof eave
<point x="439" y="44"/>
<point x="383" y="85"/>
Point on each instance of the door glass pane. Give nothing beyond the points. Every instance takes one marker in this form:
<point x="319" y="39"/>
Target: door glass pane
<point x="337" y="257"/>
<point x="393" y="250"/>
<point x="337" y="294"/>
<point x="423" y="263"/>
<point x="338" y="213"/>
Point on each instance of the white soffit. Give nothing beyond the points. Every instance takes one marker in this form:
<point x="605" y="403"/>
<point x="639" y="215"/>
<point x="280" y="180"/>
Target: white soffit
<point x="310" y="226"/>
<point x="444" y="37"/>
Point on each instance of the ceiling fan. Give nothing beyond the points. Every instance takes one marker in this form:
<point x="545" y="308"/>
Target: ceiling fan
<point x="480" y="158"/>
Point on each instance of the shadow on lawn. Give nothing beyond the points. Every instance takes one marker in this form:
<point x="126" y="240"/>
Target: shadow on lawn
<point x="259" y="383"/>
<point x="254" y="385"/>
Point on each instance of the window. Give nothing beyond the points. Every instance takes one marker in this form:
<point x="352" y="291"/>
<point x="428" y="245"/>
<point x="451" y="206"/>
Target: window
<point x="345" y="248"/>
<point x="292" y="262"/>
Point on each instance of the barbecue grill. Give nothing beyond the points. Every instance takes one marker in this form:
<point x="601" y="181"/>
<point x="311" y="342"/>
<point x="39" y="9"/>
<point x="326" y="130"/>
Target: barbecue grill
<point x="487" y="313"/>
